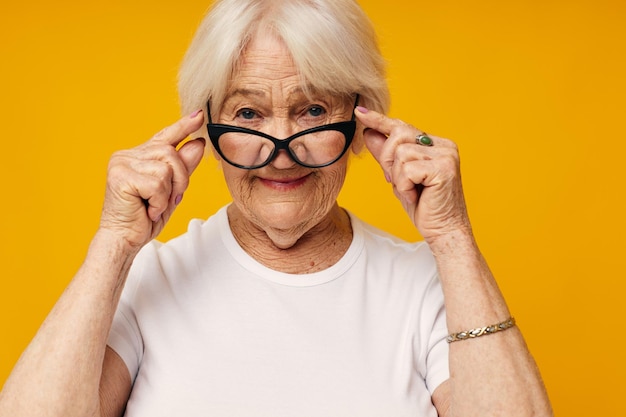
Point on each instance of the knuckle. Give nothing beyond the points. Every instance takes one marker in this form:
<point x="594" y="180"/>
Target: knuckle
<point x="450" y="162"/>
<point x="402" y="124"/>
<point x="164" y="154"/>
<point x="453" y="145"/>
<point x="168" y="151"/>
<point x="117" y="158"/>
<point x="164" y="172"/>
<point x="158" y="186"/>
<point x="182" y="183"/>
<point x="161" y="133"/>
<point x="118" y="170"/>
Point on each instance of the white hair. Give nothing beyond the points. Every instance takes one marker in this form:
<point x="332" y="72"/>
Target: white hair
<point x="332" y="43"/>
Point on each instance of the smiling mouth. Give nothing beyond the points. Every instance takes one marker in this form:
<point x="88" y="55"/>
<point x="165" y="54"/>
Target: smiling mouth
<point x="284" y="184"/>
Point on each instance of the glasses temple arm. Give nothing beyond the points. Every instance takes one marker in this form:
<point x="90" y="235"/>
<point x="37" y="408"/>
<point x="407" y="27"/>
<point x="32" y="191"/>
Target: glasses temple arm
<point x="208" y="108"/>
<point x="356" y="102"/>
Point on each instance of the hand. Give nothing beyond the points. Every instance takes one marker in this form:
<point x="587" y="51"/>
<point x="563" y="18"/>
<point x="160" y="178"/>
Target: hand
<point x="426" y="179"/>
<point x="146" y="183"/>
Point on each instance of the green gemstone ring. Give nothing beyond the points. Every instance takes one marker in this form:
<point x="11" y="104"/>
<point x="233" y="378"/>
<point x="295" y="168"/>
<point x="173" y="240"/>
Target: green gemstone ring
<point x="423" y="139"/>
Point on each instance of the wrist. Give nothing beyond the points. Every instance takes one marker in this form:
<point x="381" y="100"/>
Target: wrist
<point x="453" y="243"/>
<point x="109" y="246"/>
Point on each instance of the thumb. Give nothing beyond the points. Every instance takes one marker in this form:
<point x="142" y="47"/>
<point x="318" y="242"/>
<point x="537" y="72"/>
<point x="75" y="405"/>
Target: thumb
<point x="377" y="128"/>
<point x="374" y="141"/>
<point x="191" y="153"/>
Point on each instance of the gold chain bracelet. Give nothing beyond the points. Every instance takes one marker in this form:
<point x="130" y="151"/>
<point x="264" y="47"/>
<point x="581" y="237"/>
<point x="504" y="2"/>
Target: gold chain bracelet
<point x="481" y="331"/>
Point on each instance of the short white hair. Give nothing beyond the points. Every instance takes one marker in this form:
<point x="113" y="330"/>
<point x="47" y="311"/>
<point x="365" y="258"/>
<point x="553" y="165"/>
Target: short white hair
<point x="332" y="43"/>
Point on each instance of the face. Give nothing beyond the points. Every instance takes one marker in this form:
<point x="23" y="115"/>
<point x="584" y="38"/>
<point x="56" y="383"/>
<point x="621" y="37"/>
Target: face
<point x="283" y="199"/>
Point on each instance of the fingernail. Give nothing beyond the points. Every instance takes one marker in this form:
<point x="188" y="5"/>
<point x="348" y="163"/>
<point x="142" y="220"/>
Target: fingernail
<point x="387" y="177"/>
<point x="362" y="109"/>
<point x="178" y="199"/>
<point x="194" y="114"/>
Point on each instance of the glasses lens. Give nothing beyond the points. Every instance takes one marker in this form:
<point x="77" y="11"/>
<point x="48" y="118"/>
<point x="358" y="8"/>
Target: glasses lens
<point x="248" y="150"/>
<point x="245" y="149"/>
<point x="318" y="148"/>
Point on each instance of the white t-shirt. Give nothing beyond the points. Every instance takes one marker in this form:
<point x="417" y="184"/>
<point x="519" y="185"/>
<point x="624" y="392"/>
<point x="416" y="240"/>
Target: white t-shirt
<point x="206" y="330"/>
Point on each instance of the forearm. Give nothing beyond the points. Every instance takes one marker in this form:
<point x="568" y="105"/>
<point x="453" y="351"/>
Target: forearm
<point x="493" y="374"/>
<point x="59" y="373"/>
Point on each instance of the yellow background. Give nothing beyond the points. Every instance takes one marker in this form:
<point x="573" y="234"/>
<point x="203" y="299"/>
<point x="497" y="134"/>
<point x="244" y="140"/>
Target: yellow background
<point x="532" y="91"/>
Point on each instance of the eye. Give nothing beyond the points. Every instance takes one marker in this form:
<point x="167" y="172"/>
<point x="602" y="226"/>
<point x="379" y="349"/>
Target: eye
<point x="316" y="111"/>
<point x="246" y="114"/>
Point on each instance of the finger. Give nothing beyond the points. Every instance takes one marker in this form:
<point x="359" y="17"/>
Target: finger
<point x="444" y="163"/>
<point x="182" y="162"/>
<point x="174" y="168"/>
<point x="374" y="141"/>
<point x="176" y="133"/>
<point x="377" y="121"/>
<point x="153" y="183"/>
<point x="191" y="154"/>
<point x="378" y="128"/>
<point x="189" y="157"/>
<point x="387" y="126"/>
<point x="382" y="135"/>
<point x="408" y="175"/>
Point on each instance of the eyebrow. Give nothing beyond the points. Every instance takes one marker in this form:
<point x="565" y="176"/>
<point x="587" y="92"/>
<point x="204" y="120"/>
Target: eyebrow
<point x="244" y="92"/>
<point x="261" y="93"/>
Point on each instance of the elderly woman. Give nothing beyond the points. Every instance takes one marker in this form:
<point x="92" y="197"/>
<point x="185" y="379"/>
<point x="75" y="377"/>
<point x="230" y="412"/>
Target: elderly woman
<point x="282" y="303"/>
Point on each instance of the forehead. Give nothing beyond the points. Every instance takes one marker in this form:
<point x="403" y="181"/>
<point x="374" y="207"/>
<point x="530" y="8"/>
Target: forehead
<point x="265" y="64"/>
<point x="266" y="70"/>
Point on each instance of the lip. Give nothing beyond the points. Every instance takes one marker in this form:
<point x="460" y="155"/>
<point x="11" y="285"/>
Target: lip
<point x="284" y="184"/>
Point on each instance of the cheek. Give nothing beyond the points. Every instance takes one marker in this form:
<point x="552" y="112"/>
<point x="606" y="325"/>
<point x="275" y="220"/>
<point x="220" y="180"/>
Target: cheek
<point x="238" y="182"/>
<point x="331" y="182"/>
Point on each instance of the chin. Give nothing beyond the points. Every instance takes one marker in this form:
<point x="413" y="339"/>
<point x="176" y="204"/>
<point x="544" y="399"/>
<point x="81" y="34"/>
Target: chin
<point x="291" y="217"/>
<point x="286" y="215"/>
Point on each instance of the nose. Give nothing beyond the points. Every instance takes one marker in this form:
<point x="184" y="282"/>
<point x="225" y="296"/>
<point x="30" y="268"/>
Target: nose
<point x="282" y="129"/>
<point x="282" y="160"/>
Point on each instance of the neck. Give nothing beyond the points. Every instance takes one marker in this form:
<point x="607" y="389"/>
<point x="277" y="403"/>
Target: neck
<point x="295" y="251"/>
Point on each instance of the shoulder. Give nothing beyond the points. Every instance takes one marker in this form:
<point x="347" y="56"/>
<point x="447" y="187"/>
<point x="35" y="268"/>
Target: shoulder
<point x="385" y="246"/>
<point x="180" y="256"/>
<point x="199" y="233"/>
<point x="394" y="266"/>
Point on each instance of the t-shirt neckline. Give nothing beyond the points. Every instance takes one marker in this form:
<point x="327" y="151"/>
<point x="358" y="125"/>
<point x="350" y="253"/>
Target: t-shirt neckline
<point x="294" y="280"/>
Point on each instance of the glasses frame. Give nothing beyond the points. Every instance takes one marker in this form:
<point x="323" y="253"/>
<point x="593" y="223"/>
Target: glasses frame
<point x="216" y="130"/>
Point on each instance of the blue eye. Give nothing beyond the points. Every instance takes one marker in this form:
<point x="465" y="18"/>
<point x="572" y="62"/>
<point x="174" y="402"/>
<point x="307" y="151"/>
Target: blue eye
<point x="316" y="111"/>
<point x="247" y="114"/>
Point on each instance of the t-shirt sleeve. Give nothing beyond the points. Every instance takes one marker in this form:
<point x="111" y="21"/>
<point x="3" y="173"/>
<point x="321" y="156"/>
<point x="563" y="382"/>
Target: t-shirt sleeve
<point x="125" y="340"/>
<point x="125" y="334"/>
<point x="433" y="328"/>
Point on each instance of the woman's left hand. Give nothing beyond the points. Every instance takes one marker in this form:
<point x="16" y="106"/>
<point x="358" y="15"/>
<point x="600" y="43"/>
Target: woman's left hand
<point x="426" y="179"/>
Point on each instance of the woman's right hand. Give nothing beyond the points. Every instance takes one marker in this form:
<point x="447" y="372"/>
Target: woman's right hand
<point x="146" y="183"/>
